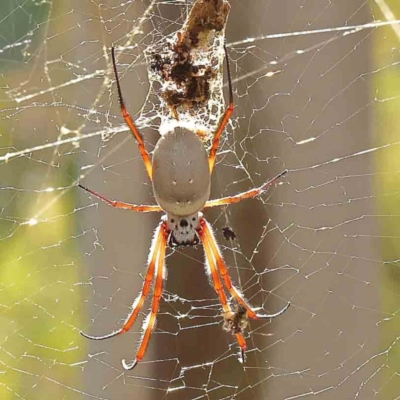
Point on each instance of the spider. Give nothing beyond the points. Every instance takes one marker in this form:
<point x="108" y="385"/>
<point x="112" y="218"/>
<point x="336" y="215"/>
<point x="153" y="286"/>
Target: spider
<point x="229" y="233"/>
<point x="180" y="171"/>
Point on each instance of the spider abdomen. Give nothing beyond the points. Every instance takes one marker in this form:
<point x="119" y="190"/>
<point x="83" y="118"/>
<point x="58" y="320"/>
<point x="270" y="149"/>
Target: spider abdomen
<point x="181" y="177"/>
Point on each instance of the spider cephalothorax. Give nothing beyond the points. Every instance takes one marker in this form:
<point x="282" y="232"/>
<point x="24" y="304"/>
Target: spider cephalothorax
<point x="183" y="230"/>
<point x="180" y="171"/>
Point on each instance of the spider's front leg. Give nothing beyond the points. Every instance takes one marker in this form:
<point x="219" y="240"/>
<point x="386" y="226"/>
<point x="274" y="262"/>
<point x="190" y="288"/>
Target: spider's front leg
<point x="217" y="267"/>
<point x="207" y="236"/>
<point x="150" y="320"/>
<point x="155" y="268"/>
<point x="227" y="312"/>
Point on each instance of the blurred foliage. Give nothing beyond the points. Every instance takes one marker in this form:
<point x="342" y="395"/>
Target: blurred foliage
<point x="386" y="87"/>
<point x="20" y="24"/>
<point x="38" y="295"/>
<point x="39" y="263"/>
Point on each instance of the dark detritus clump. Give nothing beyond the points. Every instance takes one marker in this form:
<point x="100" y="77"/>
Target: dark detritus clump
<point x="186" y="82"/>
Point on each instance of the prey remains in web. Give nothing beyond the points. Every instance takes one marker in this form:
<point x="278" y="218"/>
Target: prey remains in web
<point x="180" y="171"/>
<point x="189" y="66"/>
<point x="236" y="322"/>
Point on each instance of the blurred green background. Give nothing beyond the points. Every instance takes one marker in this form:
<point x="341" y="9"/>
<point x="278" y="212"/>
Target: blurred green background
<point x="386" y="123"/>
<point x="40" y="260"/>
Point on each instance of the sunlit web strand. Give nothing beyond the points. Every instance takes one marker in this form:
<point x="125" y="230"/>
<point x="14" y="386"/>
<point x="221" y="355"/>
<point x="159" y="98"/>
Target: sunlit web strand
<point x="348" y="29"/>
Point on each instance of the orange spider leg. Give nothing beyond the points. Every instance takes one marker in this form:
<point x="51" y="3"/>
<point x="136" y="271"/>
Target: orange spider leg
<point x="120" y="204"/>
<point x="150" y="320"/>
<point x="129" y="121"/>
<point x="245" y="195"/>
<point x="218" y="286"/>
<point x="210" y="240"/>
<point x="224" y="119"/>
<point x="160" y="238"/>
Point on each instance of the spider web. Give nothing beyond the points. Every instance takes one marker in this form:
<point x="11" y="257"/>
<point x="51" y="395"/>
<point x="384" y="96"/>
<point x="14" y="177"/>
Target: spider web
<point x="315" y="91"/>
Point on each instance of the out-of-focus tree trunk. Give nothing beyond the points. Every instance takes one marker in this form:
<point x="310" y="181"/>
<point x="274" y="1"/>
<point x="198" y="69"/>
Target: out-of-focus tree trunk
<point x="119" y="240"/>
<point x="265" y="135"/>
<point x="307" y="99"/>
<point x="126" y="237"/>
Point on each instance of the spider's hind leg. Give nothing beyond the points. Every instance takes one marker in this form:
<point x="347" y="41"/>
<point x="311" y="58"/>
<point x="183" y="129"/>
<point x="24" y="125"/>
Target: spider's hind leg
<point x="129" y="121"/>
<point x="224" y="120"/>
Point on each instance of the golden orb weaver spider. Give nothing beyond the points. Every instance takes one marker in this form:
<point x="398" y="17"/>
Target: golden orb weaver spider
<point x="180" y="171"/>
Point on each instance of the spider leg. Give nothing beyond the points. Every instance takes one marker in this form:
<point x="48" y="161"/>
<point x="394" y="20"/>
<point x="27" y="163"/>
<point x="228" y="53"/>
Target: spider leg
<point x="160" y="238"/>
<point x="150" y="320"/>
<point x="244" y="195"/>
<point x="120" y="204"/>
<point x="224" y="120"/>
<point x="219" y="288"/>
<point x="208" y="237"/>
<point x="129" y="121"/>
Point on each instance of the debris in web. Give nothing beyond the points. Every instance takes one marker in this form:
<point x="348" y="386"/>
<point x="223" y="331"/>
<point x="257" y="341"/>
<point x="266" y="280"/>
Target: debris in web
<point x="236" y="322"/>
<point x="189" y="66"/>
